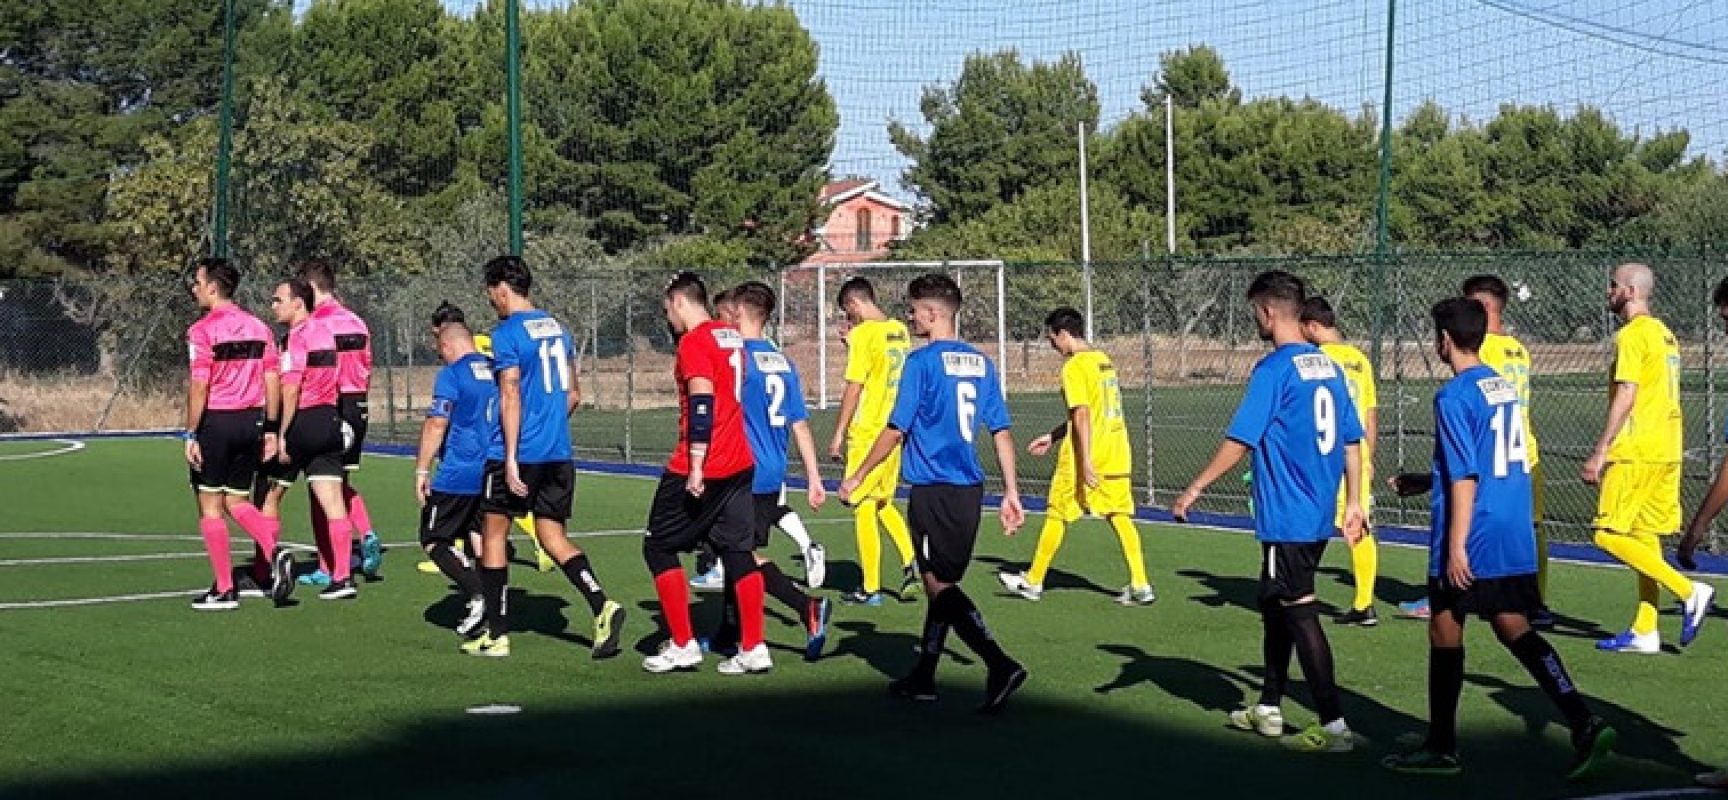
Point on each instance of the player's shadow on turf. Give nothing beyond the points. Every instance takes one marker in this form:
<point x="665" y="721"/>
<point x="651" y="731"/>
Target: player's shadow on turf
<point x="1640" y="737"/>
<point x="1054" y="579"/>
<point x="1578" y="628"/>
<point x="1227" y="590"/>
<point x="1373" y="721"/>
<point x="891" y="654"/>
<point x="529" y="613"/>
<point x="1204" y="685"/>
<point x="1384" y="587"/>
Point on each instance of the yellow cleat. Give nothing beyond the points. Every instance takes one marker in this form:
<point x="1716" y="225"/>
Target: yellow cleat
<point x="427" y="567"/>
<point x="488" y="646"/>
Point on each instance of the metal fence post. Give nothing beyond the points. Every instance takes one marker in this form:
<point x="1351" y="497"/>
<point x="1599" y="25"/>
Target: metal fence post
<point x="821" y="336"/>
<point x="1146" y="369"/>
<point x="629" y="363"/>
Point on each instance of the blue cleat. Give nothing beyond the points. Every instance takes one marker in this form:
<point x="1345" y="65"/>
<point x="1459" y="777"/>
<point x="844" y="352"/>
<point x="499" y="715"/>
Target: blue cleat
<point x="1694" y="611"/>
<point x="1415" y="609"/>
<point x="371" y="554"/>
<point x="318" y="578"/>
<point x="1629" y="642"/>
<point x="817" y="627"/>
<point x="718" y="648"/>
<point x="861" y="598"/>
<point x="711" y="581"/>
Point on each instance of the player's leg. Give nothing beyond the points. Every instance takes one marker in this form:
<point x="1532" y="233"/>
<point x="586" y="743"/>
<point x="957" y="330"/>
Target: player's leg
<point x="443" y="520"/>
<point x="1505" y="601"/>
<point x="894" y="525"/>
<point x="815" y="557"/>
<point x="326" y="491"/>
<point x="669" y="534"/>
<point x="543" y="561"/>
<point x="869" y="556"/>
<point x="213" y="529"/>
<point x="551" y="489"/>
<point x="1541" y="618"/>
<point x="1139" y="590"/>
<point x="812" y="612"/>
<point x="1297" y="565"/>
<point x="1062" y="508"/>
<point x="1266" y="716"/>
<point x="1438" y="754"/>
<point x="355" y="415"/>
<point x="497" y="506"/>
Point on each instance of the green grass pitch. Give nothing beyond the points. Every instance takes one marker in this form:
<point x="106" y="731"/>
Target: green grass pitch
<point x="147" y="698"/>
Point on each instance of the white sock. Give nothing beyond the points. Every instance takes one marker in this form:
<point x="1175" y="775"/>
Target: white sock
<point x="1266" y="709"/>
<point x="1337" y="726"/>
<point x="793" y="526"/>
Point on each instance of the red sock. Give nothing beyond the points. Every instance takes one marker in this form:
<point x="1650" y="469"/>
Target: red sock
<point x="215" y="533"/>
<point x="674" y="595"/>
<point x="750" y="610"/>
<point x="357" y="510"/>
<point x="341" y="539"/>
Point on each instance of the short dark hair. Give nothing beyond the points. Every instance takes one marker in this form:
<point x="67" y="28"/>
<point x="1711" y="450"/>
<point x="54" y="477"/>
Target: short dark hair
<point x="447" y="313"/>
<point x="319" y="273"/>
<point x="1317" y="309"/>
<point x="935" y="286"/>
<point x="726" y="297"/>
<point x="1278" y="287"/>
<point x="1462" y="318"/>
<point x="690" y="285"/>
<point x="221" y="272"/>
<point x="1065" y="319"/>
<point x="511" y="271"/>
<point x="1487" y="284"/>
<point x="302" y="288"/>
<point x="857" y="285"/>
<point x="756" y="296"/>
<point x="1720" y="296"/>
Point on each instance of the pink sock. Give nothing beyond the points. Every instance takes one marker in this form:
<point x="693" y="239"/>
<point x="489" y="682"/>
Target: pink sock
<point x="215" y="533"/>
<point x="257" y="526"/>
<point x="341" y="538"/>
<point x="357" y="510"/>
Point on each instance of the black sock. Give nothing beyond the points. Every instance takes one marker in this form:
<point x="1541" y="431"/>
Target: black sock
<point x="930" y="646"/>
<point x="1314" y="653"/>
<point x="1543" y="664"/>
<point x="581" y="575"/>
<point x="727" y="633"/>
<point x="494" y="586"/>
<point x="706" y="558"/>
<point x="954" y="607"/>
<point x="783" y="589"/>
<point x="456" y="569"/>
<point x="1275" y="648"/>
<point x="1445" y="683"/>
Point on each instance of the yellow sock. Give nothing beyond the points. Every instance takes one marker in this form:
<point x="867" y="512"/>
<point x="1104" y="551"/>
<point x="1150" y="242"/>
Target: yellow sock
<point x="1542" y="563"/>
<point x="1648" y="595"/>
<point x="869" y="547"/>
<point x="526" y="523"/>
<point x="1049" y="541"/>
<point x="895" y="526"/>
<point x="1365" y="565"/>
<point x="1129" y="537"/>
<point x="1643" y="553"/>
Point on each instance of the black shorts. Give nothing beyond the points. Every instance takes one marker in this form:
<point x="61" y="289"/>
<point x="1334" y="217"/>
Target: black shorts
<point x="551" y="487"/>
<point x="724" y="516"/>
<point x="353" y="409"/>
<point x="944" y="523"/>
<point x="448" y="517"/>
<point x="230" y="443"/>
<point x="1287" y="569"/>
<point x="1486" y="597"/>
<point x="314" y="443"/>
<point x="767" y="513"/>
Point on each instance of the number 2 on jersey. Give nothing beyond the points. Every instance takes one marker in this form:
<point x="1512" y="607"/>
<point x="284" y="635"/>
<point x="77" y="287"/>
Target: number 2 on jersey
<point x="776" y="389"/>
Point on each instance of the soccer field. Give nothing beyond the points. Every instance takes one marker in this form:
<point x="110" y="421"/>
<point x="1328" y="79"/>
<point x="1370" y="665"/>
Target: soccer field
<point x="132" y="694"/>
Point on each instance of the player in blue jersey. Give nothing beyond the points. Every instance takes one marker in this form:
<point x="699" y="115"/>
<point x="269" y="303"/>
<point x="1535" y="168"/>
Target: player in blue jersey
<point x="1481" y="547"/>
<point x="1298" y="422"/>
<point x="773" y="405"/>
<point x="947" y="390"/>
<point x="457" y="433"/>
<point x="528" y="464"/>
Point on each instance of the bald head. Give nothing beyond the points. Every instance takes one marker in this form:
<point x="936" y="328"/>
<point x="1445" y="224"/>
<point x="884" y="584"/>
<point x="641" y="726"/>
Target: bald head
<point x="1637" y="277"/>
<point x="454" y="341"/>
<point x="1630" y="290"/>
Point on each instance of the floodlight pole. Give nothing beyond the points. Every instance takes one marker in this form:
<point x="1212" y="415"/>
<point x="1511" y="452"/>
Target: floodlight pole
<point x="224" y="138"/>
<point x="1085" y="232"/>
<point x="1382" y="237"/>
<point x="1169" y="174"/>
<point x="513" y="115"/>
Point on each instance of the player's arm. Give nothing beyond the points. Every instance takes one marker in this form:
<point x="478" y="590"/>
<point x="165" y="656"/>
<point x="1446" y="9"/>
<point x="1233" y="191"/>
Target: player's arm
<point x="857" y="369"/>
<point x="1457" y="458"/>
<point x="1461" y="504"/>
<point x="1371" y="429"/>
<point x="510" y="410"/>
<point x="993" y="414"/>
<point x="806" y="444"/>
<point x="272" y="413"/>
<point x="700" y="396"/>
<point x="1080" y="422"/>
<point x="905" y="411"/>
<point x="574" y="396"/>
<point x="293" y="372"/>
<point x="1226" y="457"/>
<point x="1699" y="527"/>
<point x="431" y="437"/>
<point x="197" y="393"/>
<point x="1623" y="395"/>
<point x="1249" y="424"/>
<point x="1353" y="516"/>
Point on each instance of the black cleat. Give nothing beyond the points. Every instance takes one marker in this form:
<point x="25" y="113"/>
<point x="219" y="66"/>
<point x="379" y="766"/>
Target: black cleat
<point x="340" y="590"/>
<point x="913" y="687"/>
<point x="282" y="575"/>
<point x="1360" y="617"/>
<point x="1591" y="745"/>
<point x="1001" y="685"/>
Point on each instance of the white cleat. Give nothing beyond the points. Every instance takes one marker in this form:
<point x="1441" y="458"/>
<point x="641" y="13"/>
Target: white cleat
<point x="1016" y="582"/>
<point x="1264" y="720"/>
<point x="815" y="566"/>
<point x="747" y="662"/>
<point x="1137" y="596"/>
<point x="471" y="622"/>
<point x="711" y="581"/>
<point x="673" y="657"/>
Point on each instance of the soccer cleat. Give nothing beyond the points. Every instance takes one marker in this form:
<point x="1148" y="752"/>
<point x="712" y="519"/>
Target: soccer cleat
<point x="371" y="554"/>
<point x="1264" y="720"/>
<point x="487" y="646"/>
<point x="282" y="575"/>
<point x="816" y="626"/>
<point x="673" y="657"/>
<point x="1316" y="739"/>
<point x="1000" y="685"/>
<point x="340" y="590"/>
<point x="1423" y="762"/>
<point x="315" y="578"/>
<point x="217" y="601"/>
<point x="1016" y="582"/>
<point x="1415" y="609"/>
<point x="608" y="628"/>
<point x="711" y="581"/>
<point x="1136" y="596"/>
<point x="247" y="586"/>
<point x="429" y="567"/>
<point x="1628" y="642"/>
<point x="470" y="623"/>
<point x="815" y="566"/>
<point x="913" y="687"/>
<point x="748" y="662"/>
<point x="1542" y="619"/>
<point x="1694" y="611"/>
<point x="862" y="598"/>
<point x="910" y="584"/>
<point x="1591" y="746"/>
<point x="1360" y="617"/>
<point x="1713" y="780"/>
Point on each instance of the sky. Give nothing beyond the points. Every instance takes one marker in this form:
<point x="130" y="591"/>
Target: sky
<point x="1650" y="64"/>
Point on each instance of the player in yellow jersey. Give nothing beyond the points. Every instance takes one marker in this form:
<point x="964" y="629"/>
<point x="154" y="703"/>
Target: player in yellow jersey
<point x="1320" y="327"/>
<point x="446" y="313"/>
<point x="1637" y="464"/>
<point x="876" y="348"/>
<point x="1094" y="464"/>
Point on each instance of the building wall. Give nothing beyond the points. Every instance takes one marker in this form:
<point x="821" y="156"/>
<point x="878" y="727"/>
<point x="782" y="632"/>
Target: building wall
<point x="842" y="233"/>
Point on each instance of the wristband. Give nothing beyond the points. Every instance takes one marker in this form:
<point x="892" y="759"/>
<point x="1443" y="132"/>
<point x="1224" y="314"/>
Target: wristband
<point x="189" y="436"/>
<point x="701" y="410"/>
<point x="421" y="473"/>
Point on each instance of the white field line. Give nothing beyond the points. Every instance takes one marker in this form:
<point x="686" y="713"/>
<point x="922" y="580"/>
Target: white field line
<point x="66" y="446"/>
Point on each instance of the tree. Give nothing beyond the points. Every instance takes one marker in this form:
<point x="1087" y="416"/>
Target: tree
<point x="1192" y="77"/>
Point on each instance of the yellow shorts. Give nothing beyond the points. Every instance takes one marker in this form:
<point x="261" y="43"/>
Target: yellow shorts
<point x="1367" y="499"/>
<point x="879" y="485"/>
<point x="1639" y="498"/>
<point x="1114" y="495"/>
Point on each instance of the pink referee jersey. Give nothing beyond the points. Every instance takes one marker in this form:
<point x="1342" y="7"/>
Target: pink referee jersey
<point x="231" y="351"/>
<point x="353" y="346"/>
<point x="310" y="363"/>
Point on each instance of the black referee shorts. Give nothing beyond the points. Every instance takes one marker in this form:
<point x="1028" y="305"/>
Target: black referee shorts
<point x="354" y="411"/>
<point x="1487" y="597"/>
<point x="551" y="488"/>
<point x="724" y="516"/>
<point x="230" y="443"/>
<point x="314" y="445"/>
<point x="944" y="523"/>
<point x="1287" y="569"/>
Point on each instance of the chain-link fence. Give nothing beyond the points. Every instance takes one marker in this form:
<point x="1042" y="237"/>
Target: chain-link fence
<point x="105" y="355"/>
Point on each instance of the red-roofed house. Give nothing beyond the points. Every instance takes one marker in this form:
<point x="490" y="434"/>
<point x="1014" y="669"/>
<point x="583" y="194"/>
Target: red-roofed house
<point x="861" y="222"/>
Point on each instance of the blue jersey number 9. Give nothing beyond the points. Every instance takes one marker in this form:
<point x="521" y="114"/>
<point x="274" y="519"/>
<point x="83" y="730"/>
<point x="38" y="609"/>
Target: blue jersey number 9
<point x="1325" y="420"/>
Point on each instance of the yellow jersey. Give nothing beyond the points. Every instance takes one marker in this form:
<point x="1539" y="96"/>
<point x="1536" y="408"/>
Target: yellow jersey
<point x="483" y="343"/>
<point x="1647" y="355"/>
<point x="875" y="352"/>
<point x="1358" y="381"/>
<point x="1089" y="380"/>
<point x="1507" y="356"/>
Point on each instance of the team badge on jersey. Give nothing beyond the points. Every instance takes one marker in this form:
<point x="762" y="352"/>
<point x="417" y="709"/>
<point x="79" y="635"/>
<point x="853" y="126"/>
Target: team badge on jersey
<point x="1315" y="366"/>
<point x="963" y="365"/>
<point x="542" y="328"/>
<point x="770" y="363"/>
<point x="728" y="338"/>
<point x="1498" y="391"/>
<point x="482" y="371"/>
